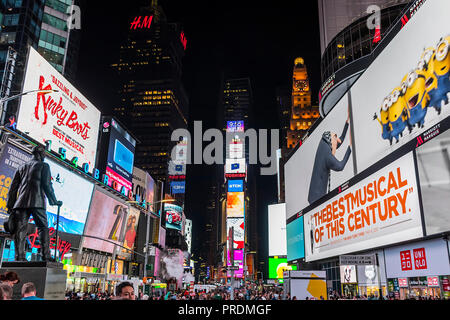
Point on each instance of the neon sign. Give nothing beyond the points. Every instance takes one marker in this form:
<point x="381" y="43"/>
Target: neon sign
<point x="146" y="22"/>
<point x="63" y="246"/>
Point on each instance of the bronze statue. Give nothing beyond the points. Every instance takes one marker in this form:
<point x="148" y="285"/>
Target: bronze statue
<point x="30" y="185"/>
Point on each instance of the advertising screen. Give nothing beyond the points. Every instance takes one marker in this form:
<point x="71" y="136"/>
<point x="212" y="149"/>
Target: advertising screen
<point x="432" y="160"/>
<point x="106" y="222"/>
<point x="143" y="187"/>
<point x="75" y="192"/>
<point x="235" y="126"/>
<point x="11" y="159"/>
<point x="379" y="210"/>
<point x="277" y="266"/>
<point x="404" y="92"/>
<point x="235" y="166"/>
<point x="295" y="239"/>
<point x="174" y="216"/>
<point x="348" y="274"/>
<point x="238" y="226"/>
<point x="131" y="229"/>
<point x="277" y="229"/>
<point x="177" y="187"/>
<point x="176" y="169"/>
<point x="235" y="150"/>
<point x="322" y="163"/>
<point x="235" y="185"/>
<point x="120" y="154"/>
<point x="235" y="204"/>
<point x="66" y="118"/>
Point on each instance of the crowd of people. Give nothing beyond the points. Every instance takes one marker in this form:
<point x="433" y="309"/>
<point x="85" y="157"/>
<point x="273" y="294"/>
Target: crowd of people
<point x="11" y="279"/>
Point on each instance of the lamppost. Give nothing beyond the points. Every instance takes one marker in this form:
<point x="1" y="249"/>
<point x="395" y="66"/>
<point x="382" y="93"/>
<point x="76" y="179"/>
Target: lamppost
<point x="148" y="230"/>
<point x="6" y="99"/>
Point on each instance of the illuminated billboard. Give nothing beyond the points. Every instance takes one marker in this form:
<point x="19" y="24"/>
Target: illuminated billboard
<point x="235" y="126"/>
<point x="174" y="216"/>
<point x="235" y="166"/>
<point x="235" y="204"/>
<point x="295" y="239"/>
<point x="277" y="266"/>
<point x="131" y="229"/>
<point x="238" y="226"/>
<point x="143" y="187"/>
<point x="106" y="222"/>
<point x="379" y="210"/>
<point x="235" y="150"/>
<point x="277" y="229"/>
<point x="11" y="159"/>
<point x="235" y="185"/>
<point x="118" y="146"/>
<point x="64" y="119"/>
<point x="75" y="192"/>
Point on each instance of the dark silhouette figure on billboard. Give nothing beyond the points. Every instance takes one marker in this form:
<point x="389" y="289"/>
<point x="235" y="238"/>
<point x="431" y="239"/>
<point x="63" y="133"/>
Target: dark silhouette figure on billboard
<point x="30" y="186"/>
<point x="326" y="161"/>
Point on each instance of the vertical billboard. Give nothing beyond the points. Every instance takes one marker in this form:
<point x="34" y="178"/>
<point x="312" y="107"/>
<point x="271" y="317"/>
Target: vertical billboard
<point x="120" y="159"/>
<point x="233" y="166"/>
<point x="174" y="216"/>
<point x="235" y="185"/>
<point x="131" y="229"/>
<point x="106" y="222"/>
<point x="295" y="239"/>
<point x="235" y="126"/>
<point x="11" y="159"/>
<point x="405" y="92"/>
<point x="379" y="210"/>
<point x="63" y="119"/>
<point x="322" y="163"/>
<point x="277" y="229"/>
<point x="238" y="225"/>
<point x="143" y="188"/>
<point x="235" y="204"/>
<point x="75" y="192"/>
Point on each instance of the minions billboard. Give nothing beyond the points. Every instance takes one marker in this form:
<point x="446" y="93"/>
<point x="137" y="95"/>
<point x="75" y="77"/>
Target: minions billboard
<point x="405" y="92"/>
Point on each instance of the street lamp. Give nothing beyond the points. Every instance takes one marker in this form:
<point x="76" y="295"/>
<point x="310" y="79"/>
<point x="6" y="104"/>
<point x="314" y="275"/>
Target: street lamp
<point x="6" y="99"/>
<point x="148" y="230"/>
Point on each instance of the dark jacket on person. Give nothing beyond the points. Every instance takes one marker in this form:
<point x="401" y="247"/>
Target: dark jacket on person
<point x="31" y="183"/>
<point x="323" y="163"/>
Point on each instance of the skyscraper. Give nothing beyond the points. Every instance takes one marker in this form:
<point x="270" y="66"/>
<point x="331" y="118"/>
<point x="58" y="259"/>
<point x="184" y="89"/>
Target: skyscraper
<point x="153" y="100"/>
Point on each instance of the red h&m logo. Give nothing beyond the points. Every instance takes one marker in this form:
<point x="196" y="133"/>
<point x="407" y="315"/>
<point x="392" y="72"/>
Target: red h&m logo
<point x="405" y="20"/>
<point x="146" y="23"/>
<point x="420" y="260"/>
<point x="405" y="259"/>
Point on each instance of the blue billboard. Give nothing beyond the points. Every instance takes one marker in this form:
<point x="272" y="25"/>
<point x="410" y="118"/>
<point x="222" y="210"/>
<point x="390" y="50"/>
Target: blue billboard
<point x="295" y="239"/>
<point x="235" y="185"/>
<point x="177" y="187"/>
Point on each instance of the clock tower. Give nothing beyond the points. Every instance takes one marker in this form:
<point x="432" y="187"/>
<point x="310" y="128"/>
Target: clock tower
<point x="302" y="113"/>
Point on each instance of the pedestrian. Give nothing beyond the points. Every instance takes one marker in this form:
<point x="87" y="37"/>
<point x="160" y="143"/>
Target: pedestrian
<point x="10" y="278"/>
<point x="29" y="292"/>
<point x="125" y="291"/>
<point x="6" y="291"/>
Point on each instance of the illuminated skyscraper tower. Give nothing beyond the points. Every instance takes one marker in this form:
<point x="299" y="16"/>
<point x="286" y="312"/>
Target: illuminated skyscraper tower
<point x="303" y="114"/>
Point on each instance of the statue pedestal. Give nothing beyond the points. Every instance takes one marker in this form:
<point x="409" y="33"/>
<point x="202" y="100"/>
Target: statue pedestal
<point x="49" y="278"/>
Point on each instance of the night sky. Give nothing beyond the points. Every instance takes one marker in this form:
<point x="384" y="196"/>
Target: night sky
<point x="255" y="39"/>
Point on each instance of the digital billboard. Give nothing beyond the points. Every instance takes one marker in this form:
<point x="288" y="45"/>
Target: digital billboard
<point x="235" y="185"/>
<point x="277" y="266"/>
<point x="238" y="226"/>
<point x="322" y="163"/>
<point x="236" y="150"/>
<point x="235" y="126"/>
<point x="174" y="216"/>
<point x="235" y="204"/>
<point x="434" y="173"/>
<point x="379" y="210"/>
<point x="143" y="187"/>
<point x="277" y="229"/>
<point x="75" y="192"/>
<point x="404" y="92"/>
<point x="131" y="229"/>
<point x="64" y="119"/>
<point x="11" y="159"/>
<point x="295" y="239"/>
<point x="348" y="274"/>
<point x="235" y="166"/>
<point x="177" y="187"/>
<point x="106" y="221"/>
<point x="120" y="160"/>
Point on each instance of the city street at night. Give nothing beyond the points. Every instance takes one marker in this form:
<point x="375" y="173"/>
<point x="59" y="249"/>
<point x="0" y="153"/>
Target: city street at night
<point x="234" y="157"/>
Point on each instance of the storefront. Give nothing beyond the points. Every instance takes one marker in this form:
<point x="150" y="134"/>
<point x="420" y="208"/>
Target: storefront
<point x="419" y="270"/>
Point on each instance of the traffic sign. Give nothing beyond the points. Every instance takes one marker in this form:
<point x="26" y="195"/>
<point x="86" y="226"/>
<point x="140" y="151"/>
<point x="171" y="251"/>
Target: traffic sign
<point x="347" y="260"/>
